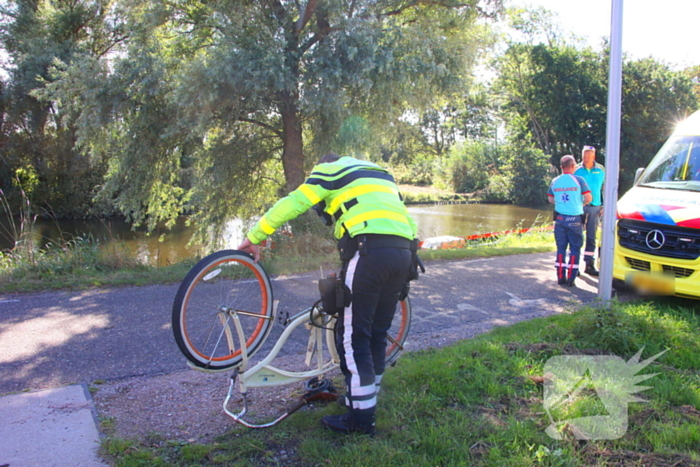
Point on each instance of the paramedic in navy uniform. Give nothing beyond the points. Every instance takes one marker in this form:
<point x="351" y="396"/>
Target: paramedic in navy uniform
<point x="568" y="193"/>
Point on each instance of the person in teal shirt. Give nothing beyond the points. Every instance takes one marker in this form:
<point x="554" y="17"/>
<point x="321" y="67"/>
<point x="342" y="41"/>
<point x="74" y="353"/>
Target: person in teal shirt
<point x="594" y="174"/>
<point x="569" y="194"/>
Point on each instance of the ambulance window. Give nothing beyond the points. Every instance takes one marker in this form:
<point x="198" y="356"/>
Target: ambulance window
<point x="678" y="160"/>
<point x="693" y="172"/>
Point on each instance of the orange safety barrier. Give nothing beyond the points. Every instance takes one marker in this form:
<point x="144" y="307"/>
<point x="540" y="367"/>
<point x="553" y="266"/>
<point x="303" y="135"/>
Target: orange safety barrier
<point x="461" y="241"/>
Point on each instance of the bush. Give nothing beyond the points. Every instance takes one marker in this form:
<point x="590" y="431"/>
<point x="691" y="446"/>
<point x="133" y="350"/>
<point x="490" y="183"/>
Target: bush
<point x="419" y="172"/>
<point x="306" y="236"/>
<point x="77" y="256"/>
<point x="523" y="179"/>
<point x="529" y="175"/>
<point x="499" y="189"/>
<point x="468" y="167"/>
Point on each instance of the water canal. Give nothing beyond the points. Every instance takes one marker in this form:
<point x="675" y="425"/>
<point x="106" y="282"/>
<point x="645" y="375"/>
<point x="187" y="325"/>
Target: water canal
<point x="432" y="220"/>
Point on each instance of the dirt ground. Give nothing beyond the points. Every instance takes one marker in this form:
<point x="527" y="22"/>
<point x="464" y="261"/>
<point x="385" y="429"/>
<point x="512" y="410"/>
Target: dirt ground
<point x="188" y="405"/>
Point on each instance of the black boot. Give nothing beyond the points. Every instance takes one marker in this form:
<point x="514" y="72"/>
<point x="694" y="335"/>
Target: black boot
<point x="590" y="268"/>
<point x="571" y="281"/>
<point x="346" y="424"/>
<point x="561" y="276"/>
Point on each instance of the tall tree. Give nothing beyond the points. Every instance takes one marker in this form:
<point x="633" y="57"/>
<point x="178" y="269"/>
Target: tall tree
<point x="555" y="97"/>
<point x="238" y="90"/>
<point x="36" y="138"/>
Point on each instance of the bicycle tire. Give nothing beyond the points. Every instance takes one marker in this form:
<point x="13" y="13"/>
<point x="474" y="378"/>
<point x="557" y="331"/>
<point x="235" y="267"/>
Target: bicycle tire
<point x="396" y="336"/>
<point x="398" y="333"/>
<point x="202" y="327"/>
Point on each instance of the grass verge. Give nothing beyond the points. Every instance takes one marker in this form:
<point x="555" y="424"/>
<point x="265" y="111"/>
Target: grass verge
<point x="80" y="263"/>
<point x="481" y="403"/>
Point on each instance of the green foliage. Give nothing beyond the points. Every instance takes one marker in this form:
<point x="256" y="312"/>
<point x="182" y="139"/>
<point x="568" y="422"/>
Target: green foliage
<point x="71" y="261"/>
<point x="512" y="173"/>
<point x="18" y="222"/>
<point x="211" y="107"/>
<point x="419" y="172"/>
<point x="528" y="169"/>
<point x="76" y="256"/>
<point x="468" y="116"/>
<point x="469" y="167"/>
<point x="81" y="263"/>
<point x="499" y="189"/>
<point x="34" y="135"/>
<point x="556" y="98"/>
<point x="654" y="100"/>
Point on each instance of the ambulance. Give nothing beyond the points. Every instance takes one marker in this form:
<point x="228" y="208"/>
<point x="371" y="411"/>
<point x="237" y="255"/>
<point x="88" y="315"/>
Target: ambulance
<point x="657" y="249"/>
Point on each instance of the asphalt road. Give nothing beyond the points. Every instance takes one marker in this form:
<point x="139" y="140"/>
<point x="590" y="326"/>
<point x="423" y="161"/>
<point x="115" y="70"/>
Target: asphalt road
<point x="55" y="338"/>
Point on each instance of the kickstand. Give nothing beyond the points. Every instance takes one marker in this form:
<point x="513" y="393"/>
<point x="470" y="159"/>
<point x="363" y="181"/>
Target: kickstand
<point x="317" y="390"/>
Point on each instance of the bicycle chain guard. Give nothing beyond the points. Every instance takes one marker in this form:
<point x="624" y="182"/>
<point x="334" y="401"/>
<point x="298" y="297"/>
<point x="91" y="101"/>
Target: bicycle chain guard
<point x="320" y="390"/>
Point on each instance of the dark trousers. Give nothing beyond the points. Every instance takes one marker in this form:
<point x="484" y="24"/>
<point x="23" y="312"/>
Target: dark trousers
<point x="375" y="279"/>
<point x="568" y="234"/>
<point x="590" y="222"/>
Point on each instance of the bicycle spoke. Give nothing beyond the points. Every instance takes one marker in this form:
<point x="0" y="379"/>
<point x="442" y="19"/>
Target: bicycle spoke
<point x="231" y="283"/>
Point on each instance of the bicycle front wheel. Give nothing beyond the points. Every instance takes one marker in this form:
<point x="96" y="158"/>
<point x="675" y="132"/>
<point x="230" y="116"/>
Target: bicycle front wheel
<point x="221" y="288"/>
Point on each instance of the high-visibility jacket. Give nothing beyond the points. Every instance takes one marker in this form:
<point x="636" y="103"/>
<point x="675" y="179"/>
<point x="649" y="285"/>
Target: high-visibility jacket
<point x="361" y="196"/>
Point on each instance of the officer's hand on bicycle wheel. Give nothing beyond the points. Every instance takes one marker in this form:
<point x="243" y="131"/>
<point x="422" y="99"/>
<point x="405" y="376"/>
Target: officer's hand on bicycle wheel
<point x="251" y="248"/>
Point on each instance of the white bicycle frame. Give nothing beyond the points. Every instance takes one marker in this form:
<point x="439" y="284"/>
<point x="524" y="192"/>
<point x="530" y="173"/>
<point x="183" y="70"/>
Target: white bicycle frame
<point x="263" y="374"/>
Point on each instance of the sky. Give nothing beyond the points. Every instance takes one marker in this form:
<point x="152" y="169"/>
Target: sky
<point x="663" y="29"/>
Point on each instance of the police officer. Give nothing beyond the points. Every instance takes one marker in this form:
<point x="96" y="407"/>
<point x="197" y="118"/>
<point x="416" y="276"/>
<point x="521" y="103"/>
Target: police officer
<point x="569" y="193"/>
<point x="594" y="175"/>
<point x="375" y="234"/>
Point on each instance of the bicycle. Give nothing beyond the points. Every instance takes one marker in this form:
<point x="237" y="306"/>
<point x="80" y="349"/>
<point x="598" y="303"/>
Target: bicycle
<point x="227" y="297"/>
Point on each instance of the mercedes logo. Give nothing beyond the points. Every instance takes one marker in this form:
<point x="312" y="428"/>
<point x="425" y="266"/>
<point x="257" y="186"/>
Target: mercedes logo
<point x="655" y="239"/>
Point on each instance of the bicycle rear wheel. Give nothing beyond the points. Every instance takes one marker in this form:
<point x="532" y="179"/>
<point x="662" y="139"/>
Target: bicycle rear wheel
<point x="222" y="285"/>
<point x="398" y="332"/>
<point x="396" y="336"/>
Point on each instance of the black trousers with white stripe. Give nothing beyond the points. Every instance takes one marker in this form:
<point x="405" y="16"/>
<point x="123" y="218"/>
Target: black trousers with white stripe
<point x="375" y="279"/>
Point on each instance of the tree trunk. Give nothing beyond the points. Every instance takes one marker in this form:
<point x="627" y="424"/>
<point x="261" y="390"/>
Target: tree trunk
<point x="292" y="144"/>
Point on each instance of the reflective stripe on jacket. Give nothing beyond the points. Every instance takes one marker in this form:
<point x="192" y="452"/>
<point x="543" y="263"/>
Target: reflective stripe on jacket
<point x="362" y="196"/>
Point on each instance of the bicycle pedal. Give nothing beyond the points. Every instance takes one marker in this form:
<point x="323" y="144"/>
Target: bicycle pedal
<point x="282" y="316"/>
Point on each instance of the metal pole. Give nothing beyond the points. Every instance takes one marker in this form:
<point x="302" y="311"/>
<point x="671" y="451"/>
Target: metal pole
<point x="612" y="154"/>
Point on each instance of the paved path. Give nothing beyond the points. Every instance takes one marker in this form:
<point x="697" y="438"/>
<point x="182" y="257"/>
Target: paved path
<point x="56" y="338"/>
<point x="49" y="428"/>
